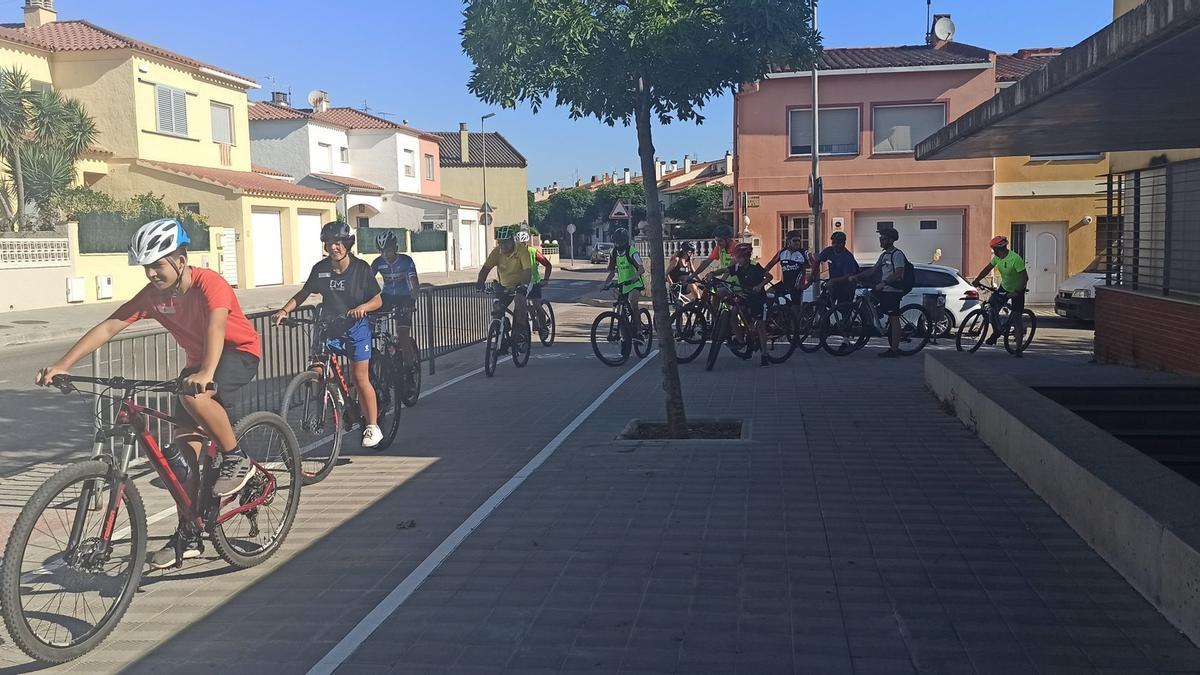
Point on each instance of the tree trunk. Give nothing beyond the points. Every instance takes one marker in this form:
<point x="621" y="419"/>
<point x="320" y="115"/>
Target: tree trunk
<point x="18" y="176"/>
<point x="676" y="416"/>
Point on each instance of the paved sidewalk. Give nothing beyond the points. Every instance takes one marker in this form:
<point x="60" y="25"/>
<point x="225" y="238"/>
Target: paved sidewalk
<point x="56" y="323"/>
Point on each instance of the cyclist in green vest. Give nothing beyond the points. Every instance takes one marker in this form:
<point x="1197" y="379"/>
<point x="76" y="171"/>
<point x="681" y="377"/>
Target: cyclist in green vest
<point x="626" y="264"/>
<point x="722" y="253"/>
<point x="538" y="280"/>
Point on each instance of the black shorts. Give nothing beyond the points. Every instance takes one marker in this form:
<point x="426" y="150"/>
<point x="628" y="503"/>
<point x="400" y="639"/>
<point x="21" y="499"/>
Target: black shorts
<point x="756" y="305"/>
<point x="406" y="303"/>
<point x="889" y="301"/>
<point x="1015" y="300"/>
<point x="234" y="371"/>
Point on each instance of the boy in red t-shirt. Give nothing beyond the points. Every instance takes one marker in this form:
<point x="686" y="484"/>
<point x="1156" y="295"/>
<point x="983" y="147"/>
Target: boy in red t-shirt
<point x="198" y="307"/>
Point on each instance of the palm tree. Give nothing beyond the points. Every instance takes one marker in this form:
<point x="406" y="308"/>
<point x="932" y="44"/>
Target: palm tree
<point x="42" y="135"/>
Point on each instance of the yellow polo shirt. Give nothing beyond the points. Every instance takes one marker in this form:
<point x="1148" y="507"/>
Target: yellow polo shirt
<point x="511" y="268"/>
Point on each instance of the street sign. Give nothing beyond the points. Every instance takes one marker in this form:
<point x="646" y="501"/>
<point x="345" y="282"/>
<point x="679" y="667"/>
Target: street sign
<point x="485" y="219"/>
<point x="619" y="211"/>
<point x="571" y="228"/>
<point x="487" y="208"/>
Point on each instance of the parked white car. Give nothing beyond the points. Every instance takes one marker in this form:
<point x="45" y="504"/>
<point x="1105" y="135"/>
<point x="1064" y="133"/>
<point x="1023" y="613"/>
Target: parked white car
<point x="1076" y="297"/>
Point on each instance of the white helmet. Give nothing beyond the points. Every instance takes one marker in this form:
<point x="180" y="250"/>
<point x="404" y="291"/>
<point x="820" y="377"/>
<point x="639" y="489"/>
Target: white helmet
<point x="156" y="240"/>
<point x="522" y="237"/>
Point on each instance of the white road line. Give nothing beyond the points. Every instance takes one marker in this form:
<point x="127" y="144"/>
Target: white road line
<point x="363" y="630"/>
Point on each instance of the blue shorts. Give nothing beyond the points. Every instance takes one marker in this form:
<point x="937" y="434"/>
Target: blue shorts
<point x="355" y="344"/>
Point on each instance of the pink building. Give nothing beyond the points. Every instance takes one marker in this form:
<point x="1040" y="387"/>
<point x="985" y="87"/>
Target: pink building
<point x="875" y="105"/>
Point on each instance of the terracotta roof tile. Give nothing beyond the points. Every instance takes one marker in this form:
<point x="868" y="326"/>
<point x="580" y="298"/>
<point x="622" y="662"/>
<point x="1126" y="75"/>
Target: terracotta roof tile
<point x="500" y="152"/>
<point x="905" y="56"/>
<point x="348" y="182"/>
<point x="354" y="119"/>
<point x="1012" y="67"/>
<point x="245" y="181"/>
<point x="78" y="35"/>
<point x="442" y="199"/>
<point x="263" y="110"/>
<point x="268" y="171"/>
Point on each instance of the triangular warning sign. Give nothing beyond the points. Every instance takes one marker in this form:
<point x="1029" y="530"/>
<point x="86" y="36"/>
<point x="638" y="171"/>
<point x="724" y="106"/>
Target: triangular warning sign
<point x="619" y="211"/>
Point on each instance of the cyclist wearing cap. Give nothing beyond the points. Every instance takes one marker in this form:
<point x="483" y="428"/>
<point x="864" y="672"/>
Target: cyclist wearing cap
<point x="888" y="292"/>
<point x="752" y="280"/>
<point x="722" y="253"/>
<point x="348" y="290"/>
<point x="199" y="309"/>
<point x="842" y="266"/>
<point x="1014" y="281"/>
<point x="537" y="278"/>
<point x="794" y="261"/>
<point x="625" y="264"/>
<point x="679" y="270"/>
<point x="400" y="281"/>
<point x="514" y="268"/>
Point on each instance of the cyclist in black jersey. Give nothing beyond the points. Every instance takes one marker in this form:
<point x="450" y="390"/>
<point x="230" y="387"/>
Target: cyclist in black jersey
<point x="679" y="271"/>
<point x="795" y="263"/>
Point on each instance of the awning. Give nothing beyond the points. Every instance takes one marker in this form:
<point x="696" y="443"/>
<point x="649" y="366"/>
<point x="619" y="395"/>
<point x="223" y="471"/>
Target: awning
<point x="1132" y="86"/>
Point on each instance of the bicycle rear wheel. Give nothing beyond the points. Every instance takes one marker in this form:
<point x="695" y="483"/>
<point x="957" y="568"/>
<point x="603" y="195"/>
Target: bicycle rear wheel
<point x="646" y="329"/>
<point x="691" y="329"/>
<point x="781" y="341"/>
<point x="385" y="379"/>
<point x="547" y="332"/>
<point x="972" y="332"/>
<point x="916" y="328"/>
<point x="410" y="375"/>
<point x="719" y="331"/>
<point x="314" y="412"/>
<point x="491" y="353"/>
<point x="807" y="325"/>
<point x="841" y="330"/>
<point x="59" y="600"/>
<point x="611" y="341"/>
<point x="249" y="538"/>
<point x="1028" y="324"/>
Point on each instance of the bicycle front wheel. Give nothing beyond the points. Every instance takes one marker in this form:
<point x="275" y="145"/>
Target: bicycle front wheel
<point x="491" y="353"/>
<point x="972" y="332"/>
<point x="1028" y="325"/>
<point x="250" y="537"/>
<point x="646" y="329"/>
<point x="410" y="375"/>
<point x="611" y="341"/>
<point x="313" y="410"/>
<point x="916" y="328"/>
<point x="719" y="331"/>
<point x="385" y="380"/>
<point x="691" y="329"/>
<point x="62" y="591"/>
<point x="547" y="331"/>
<point x="841" y="329"/>
<point x="521" y="344"/>
<point x="807" y="328"/>
<point x="781" y="332"/>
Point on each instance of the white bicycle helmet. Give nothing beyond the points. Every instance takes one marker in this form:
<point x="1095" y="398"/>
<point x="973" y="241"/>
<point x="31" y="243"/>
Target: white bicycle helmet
<point x="522" y="237"/>
<point x="156" y="240"/>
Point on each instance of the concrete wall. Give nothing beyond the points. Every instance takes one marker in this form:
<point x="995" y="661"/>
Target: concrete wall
<point x="506" y="188"/>
<point x="433" y="187"/>
<point x="374" y="157"/>
<point x="104" y="83"/>
<point x="33" y="288"/>
<point x="1121" y="336"/>
<point x="280" y="144"/>
<point x="35" y="64"/>
<point x="866" y="182"/>
<point x="336" y="139"/>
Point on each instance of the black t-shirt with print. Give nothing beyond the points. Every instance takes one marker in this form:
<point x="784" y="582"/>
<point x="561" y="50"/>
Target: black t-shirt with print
<point x="750" y="275"/>
<point x="341" y="293"/>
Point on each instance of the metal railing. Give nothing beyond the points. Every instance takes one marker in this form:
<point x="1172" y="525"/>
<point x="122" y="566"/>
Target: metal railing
<point x="447" y="318"/>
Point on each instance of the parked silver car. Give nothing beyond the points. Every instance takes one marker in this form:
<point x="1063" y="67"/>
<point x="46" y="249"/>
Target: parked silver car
<point x="601" y="253"/>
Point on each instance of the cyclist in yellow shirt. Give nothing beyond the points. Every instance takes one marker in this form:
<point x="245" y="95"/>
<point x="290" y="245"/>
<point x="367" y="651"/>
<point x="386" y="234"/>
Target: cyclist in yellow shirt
<point x="512" y="265"/>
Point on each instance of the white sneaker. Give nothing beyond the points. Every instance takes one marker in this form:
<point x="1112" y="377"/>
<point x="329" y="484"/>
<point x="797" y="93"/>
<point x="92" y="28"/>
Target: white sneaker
<point x="371" y="436"/>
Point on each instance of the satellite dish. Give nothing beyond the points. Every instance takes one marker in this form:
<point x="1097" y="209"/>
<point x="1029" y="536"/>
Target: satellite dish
<point x="317" y="98"/>
<point x="943" y="29"/>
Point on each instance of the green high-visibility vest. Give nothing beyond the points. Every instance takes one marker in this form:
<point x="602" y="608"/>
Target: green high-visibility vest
<point x="627" y="272"/>
<point x="537" y="272"/>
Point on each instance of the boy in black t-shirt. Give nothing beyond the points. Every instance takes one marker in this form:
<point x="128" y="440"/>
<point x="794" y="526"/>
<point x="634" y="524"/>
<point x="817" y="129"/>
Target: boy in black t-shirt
<point x="348" y="292"/>
<point x="752" y="279"/>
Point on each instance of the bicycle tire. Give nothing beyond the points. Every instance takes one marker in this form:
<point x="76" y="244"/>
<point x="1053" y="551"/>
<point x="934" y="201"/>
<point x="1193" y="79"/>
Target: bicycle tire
<point x="491" y="353"/>
<point x="719" y="330"/>
<point x="315" y="463"/>
<point x="603" y="322"/>
<point x="690" y="333"/>
<point x="549" y="328"/>
<point x="385" y="379"/>
<point x="780" y="333"/>
<point x="14" y="554"/>
<point x="807" y="325"/>
<point x="840" y="328"/>
<point x="916" y="328"/>
<point x="286" y="464"/>
<point x="521" y="343"/>
<point x="1029" y="319"/>
<point x="646" y="324"/>
<point x="410" y="377"/>
<point x="972" y="332"/>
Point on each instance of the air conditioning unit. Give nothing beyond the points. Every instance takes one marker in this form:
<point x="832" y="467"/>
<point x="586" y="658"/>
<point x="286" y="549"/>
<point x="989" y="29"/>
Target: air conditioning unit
<point x="104" y="287"/>
<point x="75" y="289"/>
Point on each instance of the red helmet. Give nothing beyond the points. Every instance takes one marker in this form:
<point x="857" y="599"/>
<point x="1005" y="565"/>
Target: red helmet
<point x="743" y="249"/>
<point x="999" y="241"/>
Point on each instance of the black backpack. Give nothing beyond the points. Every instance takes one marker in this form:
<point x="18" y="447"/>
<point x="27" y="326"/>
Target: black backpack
<point x="909" y="279"/>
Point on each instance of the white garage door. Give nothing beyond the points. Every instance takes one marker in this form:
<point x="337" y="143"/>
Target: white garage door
<point x="268" y="248"/>
<point x="308" y="231"/>
<point x="229" y="256"/>
<point x="922" y="233"/>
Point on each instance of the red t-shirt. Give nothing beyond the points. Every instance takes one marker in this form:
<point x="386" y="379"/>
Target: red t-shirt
<point x="716" y="251"/>
<point x="186" y="316"/>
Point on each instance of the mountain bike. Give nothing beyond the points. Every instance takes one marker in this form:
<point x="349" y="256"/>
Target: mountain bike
<point x="692" y="321"/>
<point x="612" y="331"/>
<point x="734" y="326"/>
<point x="501" y="336"/>
<point x="975" y="327"/>
<point x="389" y="334"/>
<point x="813" y="320"/>
<point x="320" y="405"/>
<point x="76" y="552"/>
<point x="850" y="328"/>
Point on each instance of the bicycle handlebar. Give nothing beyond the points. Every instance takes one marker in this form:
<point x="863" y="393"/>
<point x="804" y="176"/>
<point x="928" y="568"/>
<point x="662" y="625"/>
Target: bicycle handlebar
<point x="64" y="382"/>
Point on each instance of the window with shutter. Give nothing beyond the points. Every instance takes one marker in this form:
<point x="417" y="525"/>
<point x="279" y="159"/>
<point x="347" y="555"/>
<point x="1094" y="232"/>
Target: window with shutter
<point x="222" y="122"/>
<point x="179" y="110"/>
<point x="162" y="98"/>
<point x="171" y="110"/>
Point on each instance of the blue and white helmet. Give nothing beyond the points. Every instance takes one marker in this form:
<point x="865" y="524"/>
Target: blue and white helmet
<point x="156" y="240"/>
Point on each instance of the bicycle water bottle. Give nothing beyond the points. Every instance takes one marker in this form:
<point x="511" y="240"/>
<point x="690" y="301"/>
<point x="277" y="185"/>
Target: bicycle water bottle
<point x="177" y="462"/>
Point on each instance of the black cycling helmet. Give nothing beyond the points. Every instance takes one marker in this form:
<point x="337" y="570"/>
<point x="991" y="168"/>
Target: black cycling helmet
<point x="723" y="232"/>
<point x="838" y="236"/>
<point x="890" y="233"/>
<point x="337" y="230"/>
<point x="620" y="237"/>
<point x="688" y="247"/>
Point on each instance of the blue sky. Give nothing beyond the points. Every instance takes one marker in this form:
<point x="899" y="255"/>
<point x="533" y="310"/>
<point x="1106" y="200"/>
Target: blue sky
<point x="403" y="57"/>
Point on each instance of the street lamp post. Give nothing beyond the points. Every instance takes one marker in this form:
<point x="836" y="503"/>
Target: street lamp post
<point x="483" y="133"/>
<point x="816" y="189"/>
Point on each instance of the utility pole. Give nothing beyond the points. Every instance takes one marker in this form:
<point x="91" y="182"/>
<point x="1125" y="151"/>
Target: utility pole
<point x="483" y="133"/>
<point x="816" y="192"/>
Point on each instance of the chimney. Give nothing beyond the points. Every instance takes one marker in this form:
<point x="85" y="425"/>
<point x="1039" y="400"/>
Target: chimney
<point x="687" y="164"/>
<point x="38" y="13"/>
<point x="674" y="167"/>
<point x="578" y="182"/>
<point x="626" y="176"/>
<point x="728" y="162"/>
<point x="464" y="142"/>
<point x="281" y="98"/>
<point x="593" y="180"/>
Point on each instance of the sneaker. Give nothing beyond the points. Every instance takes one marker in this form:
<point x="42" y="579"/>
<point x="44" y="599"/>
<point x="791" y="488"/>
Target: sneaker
<point x="371" y="436"/>
<point x="233" y="474"/>
<point x="992" y="339"/>
<point x="166" y="556"/>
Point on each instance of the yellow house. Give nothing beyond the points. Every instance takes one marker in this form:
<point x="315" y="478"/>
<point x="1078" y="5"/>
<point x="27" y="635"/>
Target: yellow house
<point x="1046" y="205"/>
<point x="173" y="126"/>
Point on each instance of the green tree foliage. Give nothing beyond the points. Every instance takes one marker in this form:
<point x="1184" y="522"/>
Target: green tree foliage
<point x="42" y="135"/>
<point x="634" y="196"/>
<point x="538" y="211"/>
<point x="633" y="62"/>
<point x="699" y="207"/>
